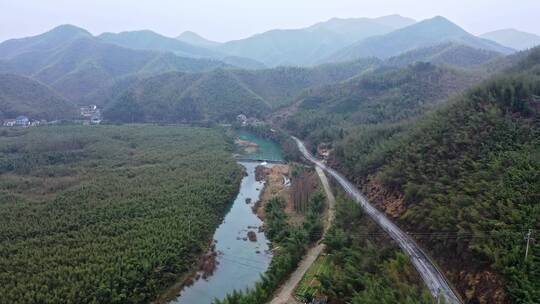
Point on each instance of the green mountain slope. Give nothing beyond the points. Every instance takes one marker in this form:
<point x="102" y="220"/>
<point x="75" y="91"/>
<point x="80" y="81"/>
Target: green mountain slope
<point x="452" y="54"/>
<point x="466" y="180"/>
<point x="23" y="96"/>
<point x="426" y="33"/>
<point x="85" y="65"/>
<point x="280" y="86"/>
<point x="513" y="38"/>
<point x="385" y="95"/>
<point x="178" y="97"/>
<point x="222" y="94"/>
<point x="53" y="39"/>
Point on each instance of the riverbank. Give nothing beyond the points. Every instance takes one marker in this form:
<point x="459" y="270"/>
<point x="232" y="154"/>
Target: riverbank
<point x="202" y="269"/>
<point x="242" y="251"/>
<point x="275" y="178"/>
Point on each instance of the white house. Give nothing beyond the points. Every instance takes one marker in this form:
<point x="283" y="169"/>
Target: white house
<point x="241" y="118"/>
<point x="22" y="121"/>
<point x="35" y="122"/>
<point x="9" y="122"/>
<point x="89" y="111"/>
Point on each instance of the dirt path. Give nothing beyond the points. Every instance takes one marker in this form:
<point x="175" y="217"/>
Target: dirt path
<point x="285" y="294"/>
<point x="331" y="199"/>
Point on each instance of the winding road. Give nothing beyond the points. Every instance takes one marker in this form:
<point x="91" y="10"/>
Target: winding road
<point x="435" y="281"/>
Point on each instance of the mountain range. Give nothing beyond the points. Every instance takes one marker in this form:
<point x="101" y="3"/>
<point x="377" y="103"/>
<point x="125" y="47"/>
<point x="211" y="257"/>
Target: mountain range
<point x="222" y="94"/>
<point x="151" y="41"/>
<point x="148" y="40"/>
<point x="307" y="46"/>
<point x="426" y="33"/>
<point x="75" y="64"/>
<point x="83" y="69"/>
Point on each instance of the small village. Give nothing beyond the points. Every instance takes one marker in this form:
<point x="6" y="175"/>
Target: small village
<point x="89" y="115"/>
<point x="244" y="121"/>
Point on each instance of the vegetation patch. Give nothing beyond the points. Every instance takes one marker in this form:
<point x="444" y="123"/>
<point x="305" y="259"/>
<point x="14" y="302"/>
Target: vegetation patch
<point x="469" y="179"/>
<point x="362" y="265"/>
<point x="108" y="214"/>
<point x="310" y="284"/>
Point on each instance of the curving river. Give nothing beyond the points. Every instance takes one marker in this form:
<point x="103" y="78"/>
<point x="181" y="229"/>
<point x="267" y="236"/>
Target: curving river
<point x="240" y="261"/>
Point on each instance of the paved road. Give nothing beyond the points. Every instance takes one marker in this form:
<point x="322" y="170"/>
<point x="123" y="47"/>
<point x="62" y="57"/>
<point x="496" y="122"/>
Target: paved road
<point x="285" y="294"/>
<point x="433" y="278"/>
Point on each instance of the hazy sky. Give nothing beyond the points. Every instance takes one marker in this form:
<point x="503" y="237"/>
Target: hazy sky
<point x="235" y="19"/>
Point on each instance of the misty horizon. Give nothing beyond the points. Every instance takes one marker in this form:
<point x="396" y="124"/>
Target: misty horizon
<point x="254" y="34"/>
<point x="239" y="20"/>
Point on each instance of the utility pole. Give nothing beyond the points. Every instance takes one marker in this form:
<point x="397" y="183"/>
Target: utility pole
<point x="528" y="241"/>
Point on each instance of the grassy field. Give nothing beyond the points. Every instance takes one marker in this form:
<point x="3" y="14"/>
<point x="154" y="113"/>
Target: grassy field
<point x="108" y="214"/>
<point x="310" y="283"/>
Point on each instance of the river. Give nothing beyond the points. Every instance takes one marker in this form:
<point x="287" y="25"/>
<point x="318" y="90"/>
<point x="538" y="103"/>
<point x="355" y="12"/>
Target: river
<point x="240" y="261"/>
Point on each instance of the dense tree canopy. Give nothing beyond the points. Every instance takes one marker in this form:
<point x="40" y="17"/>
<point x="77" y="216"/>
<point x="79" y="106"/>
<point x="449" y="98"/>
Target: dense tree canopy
<point x="107" y="214"/>
<point x="466" y="176"/>
<point x="472" y="169"/>
<point x="366" y="266"/>
<point x="386" y="95"/>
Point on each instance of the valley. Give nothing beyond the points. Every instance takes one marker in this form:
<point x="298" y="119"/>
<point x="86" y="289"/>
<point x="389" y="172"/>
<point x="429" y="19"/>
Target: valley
<point x="351" y="160"/>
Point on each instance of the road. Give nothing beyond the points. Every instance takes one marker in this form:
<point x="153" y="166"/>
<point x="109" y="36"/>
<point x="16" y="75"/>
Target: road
<point x="435" y="281"/>
<point x="285" y="295"/>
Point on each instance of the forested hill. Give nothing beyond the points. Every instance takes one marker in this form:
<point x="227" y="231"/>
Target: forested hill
<point x="51" y="40"/>
<point x="466" y="179"/>
<point x="385" y="95"/>
<point x="361" y="91"/>
<point x="450" y="53"/>
<point x="222" y="94"/>
<point x="85" y="65"/>
<point x="23" y="96"/>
